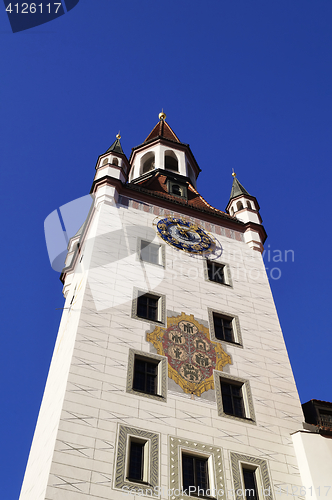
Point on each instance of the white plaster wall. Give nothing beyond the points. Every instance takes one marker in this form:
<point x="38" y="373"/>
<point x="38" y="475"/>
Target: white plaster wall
<point x="314" y="454"/>
<point x="96" y="401"/>
<point x="112" y="171"/>
<point x="41" y="453"/>
<point x="245" y="215"/>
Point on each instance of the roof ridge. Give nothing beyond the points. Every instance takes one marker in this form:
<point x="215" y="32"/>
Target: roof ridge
<point x="162" y="129"/>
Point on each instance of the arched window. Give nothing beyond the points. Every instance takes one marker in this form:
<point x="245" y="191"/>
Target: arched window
<point x="232" y="211"/>
<point x="105" y="160"/>
<point x="176" y="189"/>
<point x="115" y="161"/>
<point x="171" y="161"/>
<point x="147" y="162"/>
<point x="239" y="205"/>
<point x="249" y="205"/>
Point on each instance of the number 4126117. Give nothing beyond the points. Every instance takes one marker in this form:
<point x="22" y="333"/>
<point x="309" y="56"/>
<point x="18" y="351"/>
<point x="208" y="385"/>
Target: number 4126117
<point x="32" y="8"/>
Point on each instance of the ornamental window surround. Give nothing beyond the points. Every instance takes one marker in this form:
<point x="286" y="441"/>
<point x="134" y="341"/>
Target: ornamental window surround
<point x="137" y="460"/>
<point x="195" y="475"/>
<point x="147" y="375"/>
<point x="234" y="399"/>
<point x="148" y="306"/>
<point x="217" y="272"/>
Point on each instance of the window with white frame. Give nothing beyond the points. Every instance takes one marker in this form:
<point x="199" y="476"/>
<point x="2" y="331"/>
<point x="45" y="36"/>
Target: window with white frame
<point x="148" y="306"/>
<point x="150" y="252"/>
<point x="147" y="375"/>
<point x="217" y="272"/>
<point x="234" y="399"/>
<point x="249" y="475"/>
<point x="195" y="475"/>
<point x="137" y="460"/>
<point x="196" y="469"/>
<point x="251" y="478"/>
<point x="225" y="327"/>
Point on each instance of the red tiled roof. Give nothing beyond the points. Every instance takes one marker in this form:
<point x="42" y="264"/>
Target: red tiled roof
<point x="162" y="129"/>
<point x="158" y="184"/>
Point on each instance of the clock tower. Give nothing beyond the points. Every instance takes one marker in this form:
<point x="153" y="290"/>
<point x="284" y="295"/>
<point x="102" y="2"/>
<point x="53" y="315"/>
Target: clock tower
<point x="170" y="377"/>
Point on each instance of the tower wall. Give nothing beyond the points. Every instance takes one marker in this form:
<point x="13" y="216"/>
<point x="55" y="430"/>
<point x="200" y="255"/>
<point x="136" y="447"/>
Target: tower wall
<point x="87" y="403"/>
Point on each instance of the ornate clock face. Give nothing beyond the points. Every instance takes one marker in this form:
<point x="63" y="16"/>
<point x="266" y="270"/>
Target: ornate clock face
<point x="185" y="235"/>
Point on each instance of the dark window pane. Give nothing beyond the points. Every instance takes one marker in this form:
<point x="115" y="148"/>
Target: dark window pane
<point x="216" y="272"/>
<point x="139" y="381"/>
<point x="147" y="307"/>
<point x="238" y="407"/>
<point x="201" y="474"/>
<point x="145" y="376"/>
<point x="232" y="399"/>
<point x="195" y="474"/>
<point x="136" y="461"/>
<point x="227" y="404"/>
<point x="223" y="328"/>
<point x="142" y="304"/>
<point x="188" y="471"/>
<point x="250" y="484"/>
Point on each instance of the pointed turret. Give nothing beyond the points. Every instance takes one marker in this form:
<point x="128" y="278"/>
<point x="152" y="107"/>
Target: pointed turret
<point x="245" y="207"/>
<point x="116" y="146"/>
<point x="162" y="150"/>
<point x="237" y="189"/>
<point x="162" y="130"/>
<point x="113" y="165"/>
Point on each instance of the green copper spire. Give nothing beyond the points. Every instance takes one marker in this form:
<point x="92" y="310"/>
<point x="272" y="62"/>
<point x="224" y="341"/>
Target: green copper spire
<point x="116" y="146"/>
<point x="237" y="188"/>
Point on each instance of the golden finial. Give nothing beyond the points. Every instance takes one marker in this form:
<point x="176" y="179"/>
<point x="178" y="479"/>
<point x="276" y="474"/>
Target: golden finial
<point x="118" y="136"/>
<point x="233" y="174"/>
<point x="162" y="115"/>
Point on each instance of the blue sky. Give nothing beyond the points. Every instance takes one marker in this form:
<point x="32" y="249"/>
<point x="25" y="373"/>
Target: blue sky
<point x="246" y="83"/>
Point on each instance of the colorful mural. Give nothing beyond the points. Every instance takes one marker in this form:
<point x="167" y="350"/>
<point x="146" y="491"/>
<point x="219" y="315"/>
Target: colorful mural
<point x="191" y="355"/>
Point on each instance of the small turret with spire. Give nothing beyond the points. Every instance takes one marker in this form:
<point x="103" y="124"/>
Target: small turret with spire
<point x="245" y="207"/>
<point x="112" y="165"/>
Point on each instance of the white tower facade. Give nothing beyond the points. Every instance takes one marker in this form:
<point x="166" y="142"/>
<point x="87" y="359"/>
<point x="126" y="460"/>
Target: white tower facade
<point x="170" y="376"/>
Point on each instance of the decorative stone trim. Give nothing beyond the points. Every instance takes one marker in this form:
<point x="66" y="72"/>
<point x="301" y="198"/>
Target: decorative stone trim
<point x="215" y="466"/>
<point x="161" y="250"/>
<point x="161" y="307"/>
<point x="162" y="375"/>
<point x="237" y="461"/>
<point x="247" y="397"/>
<point x="227" y="273"/>
<point x="160" y="212"/>
<point x="235" y="325"/>
<point x="121" y="464"/>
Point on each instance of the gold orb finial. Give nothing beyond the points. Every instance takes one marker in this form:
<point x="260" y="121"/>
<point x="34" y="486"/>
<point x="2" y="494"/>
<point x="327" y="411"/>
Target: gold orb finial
<point x="233" y="173"/>
<point x="162" y="115"/>
<point x="118" y="136"/>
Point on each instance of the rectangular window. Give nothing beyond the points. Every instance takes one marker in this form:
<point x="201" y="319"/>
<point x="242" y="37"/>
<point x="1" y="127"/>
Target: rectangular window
<point x="195" y="477"/>
<point x="223" y="328"/>
<point x="232" y="399"/>
<point x="147" y="307"/>
<point x="145" y="376"/>
<point x="177" y="188"/>
<point x="137" y="466"/>
<point x="250" y="485"/>
<point x="136" y="460"/>
<point x="325" y="418"/>
<point x="150" y="252"/>
<point x="216" y="272"/>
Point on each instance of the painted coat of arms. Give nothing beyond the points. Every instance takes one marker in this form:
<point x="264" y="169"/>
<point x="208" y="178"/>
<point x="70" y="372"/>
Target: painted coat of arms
<point x="191" y="354"/>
